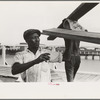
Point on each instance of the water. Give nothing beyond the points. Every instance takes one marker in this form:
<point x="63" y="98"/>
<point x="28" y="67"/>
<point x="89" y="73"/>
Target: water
<point x="9" y="59"/>
<point x="92" y="66"/>
<point x="88" y="66"/>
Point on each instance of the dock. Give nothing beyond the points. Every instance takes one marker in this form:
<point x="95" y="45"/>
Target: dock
<point x="56" y="76"/>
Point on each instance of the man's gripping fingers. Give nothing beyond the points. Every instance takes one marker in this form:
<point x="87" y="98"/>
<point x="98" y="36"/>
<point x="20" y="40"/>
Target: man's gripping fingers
<point x="46" y="56"/>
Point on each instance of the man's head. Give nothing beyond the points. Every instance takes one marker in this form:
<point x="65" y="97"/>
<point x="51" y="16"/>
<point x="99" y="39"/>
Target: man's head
<point x="31" y="36"/>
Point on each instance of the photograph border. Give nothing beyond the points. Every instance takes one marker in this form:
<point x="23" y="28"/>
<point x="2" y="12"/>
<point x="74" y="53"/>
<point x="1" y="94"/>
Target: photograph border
<point x="82" y="91"/>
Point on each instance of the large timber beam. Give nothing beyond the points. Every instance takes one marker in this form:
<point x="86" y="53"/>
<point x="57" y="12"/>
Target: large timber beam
<point x="81" y="10"/>
<point x="92" y="37"/>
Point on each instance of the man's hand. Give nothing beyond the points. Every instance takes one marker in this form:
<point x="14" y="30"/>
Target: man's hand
<point x="43" y="57"/>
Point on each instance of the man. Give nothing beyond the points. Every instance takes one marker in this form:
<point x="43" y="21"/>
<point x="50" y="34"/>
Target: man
<point x="32" y="64"/>
<point x="71" y="55"/>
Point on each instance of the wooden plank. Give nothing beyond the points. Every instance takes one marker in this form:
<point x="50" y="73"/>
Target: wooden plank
<point x="81" y="10"/>
<point x="97" y="78"/>
<point x="92" y="37"/>
<point x="80" y="77"/>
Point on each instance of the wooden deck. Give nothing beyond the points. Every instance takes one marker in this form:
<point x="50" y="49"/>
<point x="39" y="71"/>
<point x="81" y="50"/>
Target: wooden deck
<point x="60" y="76"/>
<point x="6" y="76"/>
<point x="56" y="75"/>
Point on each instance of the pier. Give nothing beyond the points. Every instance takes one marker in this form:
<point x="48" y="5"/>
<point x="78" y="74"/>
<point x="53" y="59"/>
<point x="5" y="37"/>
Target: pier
<point x="90" y="52"/>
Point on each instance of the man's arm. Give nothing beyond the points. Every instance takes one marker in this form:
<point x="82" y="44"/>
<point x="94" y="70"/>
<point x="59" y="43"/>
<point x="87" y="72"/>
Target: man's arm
<point x="19" y="68"/>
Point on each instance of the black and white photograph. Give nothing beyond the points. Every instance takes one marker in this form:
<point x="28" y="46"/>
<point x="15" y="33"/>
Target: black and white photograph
<point x="50" y="44"/>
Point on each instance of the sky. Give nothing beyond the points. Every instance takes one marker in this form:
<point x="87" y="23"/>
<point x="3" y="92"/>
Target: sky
<point x="18" y="16"/>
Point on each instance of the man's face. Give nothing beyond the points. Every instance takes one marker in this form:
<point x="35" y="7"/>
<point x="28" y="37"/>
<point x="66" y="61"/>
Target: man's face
<point x="33" y="40"/>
